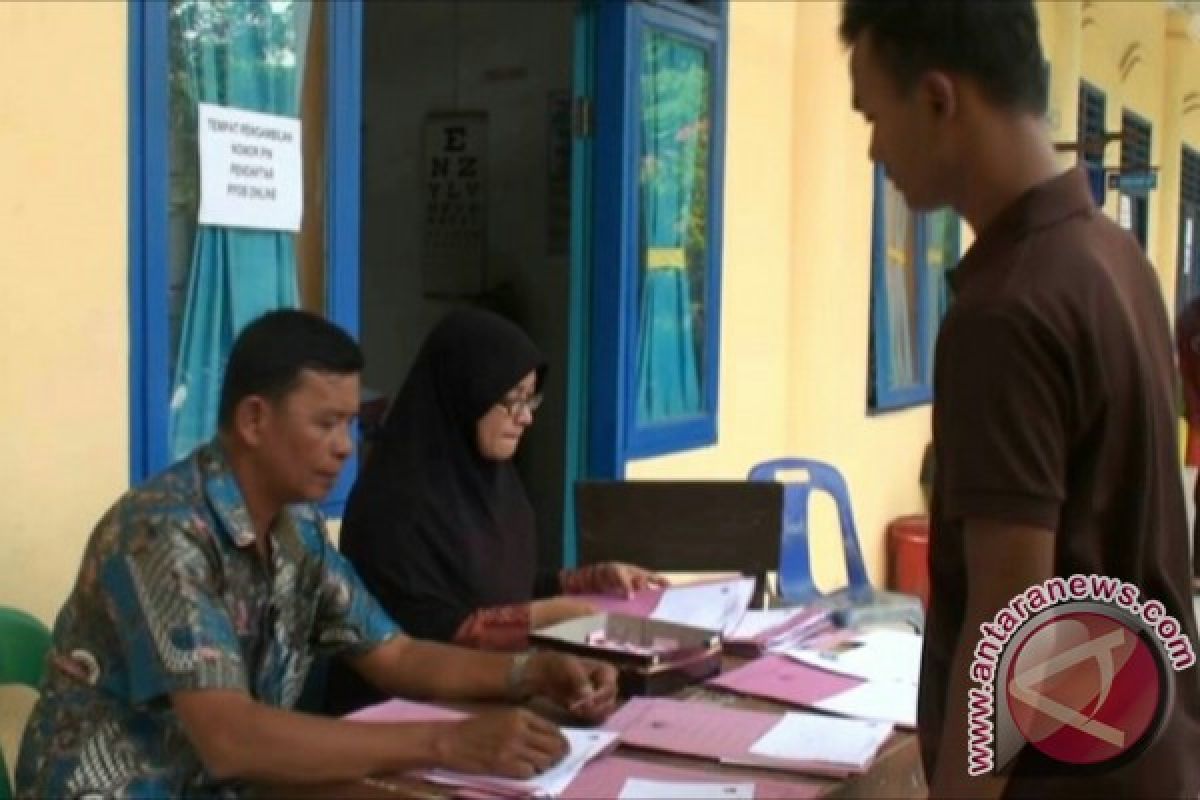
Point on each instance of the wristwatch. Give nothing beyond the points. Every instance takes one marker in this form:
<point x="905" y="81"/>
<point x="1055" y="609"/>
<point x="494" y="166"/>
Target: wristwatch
<point x="517" y="691"/>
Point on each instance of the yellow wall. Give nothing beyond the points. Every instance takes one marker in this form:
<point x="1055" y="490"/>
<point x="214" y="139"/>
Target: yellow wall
<point x="796" y="281"/>
<point x="63" y="392"/>
<point x="1060" y="23"/>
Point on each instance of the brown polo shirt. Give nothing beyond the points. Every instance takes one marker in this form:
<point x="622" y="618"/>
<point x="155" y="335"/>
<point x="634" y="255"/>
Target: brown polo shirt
<point x="1054" y="407"/>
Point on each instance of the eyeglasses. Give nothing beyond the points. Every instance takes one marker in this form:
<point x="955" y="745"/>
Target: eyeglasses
<point x="515" y="405"/>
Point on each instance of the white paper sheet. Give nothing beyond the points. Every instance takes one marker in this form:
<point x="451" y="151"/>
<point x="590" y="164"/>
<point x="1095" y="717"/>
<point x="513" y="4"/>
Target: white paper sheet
<point x="712" y="606"/>
<point x="888" y="701"/>
<point x="640" y="789"/>
<point x="815" y="737"/>
<point x="878" y="655"/>
<point x="585" y="744"/>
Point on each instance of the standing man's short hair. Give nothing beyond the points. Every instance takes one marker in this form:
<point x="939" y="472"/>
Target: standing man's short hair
<point x="994" y="42"/>
<point x="271" y="352"/>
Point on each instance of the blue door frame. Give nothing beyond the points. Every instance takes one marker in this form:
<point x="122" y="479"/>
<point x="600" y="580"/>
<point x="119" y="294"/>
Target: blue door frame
<point x="575" y="457"/>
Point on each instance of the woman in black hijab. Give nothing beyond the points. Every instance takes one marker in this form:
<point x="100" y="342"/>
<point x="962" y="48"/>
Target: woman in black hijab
<point x="438" y="524"/>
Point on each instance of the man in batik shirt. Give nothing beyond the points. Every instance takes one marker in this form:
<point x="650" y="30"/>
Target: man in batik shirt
<point x="205" y="594"/>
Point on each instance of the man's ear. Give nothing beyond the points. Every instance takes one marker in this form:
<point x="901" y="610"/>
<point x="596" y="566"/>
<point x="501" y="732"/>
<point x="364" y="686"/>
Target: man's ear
<point x="940" y="94"/>
<point x="250" y="418"/>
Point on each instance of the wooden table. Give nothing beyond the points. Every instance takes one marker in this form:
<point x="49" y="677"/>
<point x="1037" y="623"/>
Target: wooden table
<point x="896" y="773"/>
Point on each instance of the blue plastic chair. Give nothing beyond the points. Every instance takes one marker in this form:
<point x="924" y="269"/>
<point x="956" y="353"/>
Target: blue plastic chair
<point x="856" y="605"/>
<point x="795" y="569"/>
<point x="24" y="641"/>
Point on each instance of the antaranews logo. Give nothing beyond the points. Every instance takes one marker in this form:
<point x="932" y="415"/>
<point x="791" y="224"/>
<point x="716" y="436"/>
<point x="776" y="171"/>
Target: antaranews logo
<point x="1078" y="667"/>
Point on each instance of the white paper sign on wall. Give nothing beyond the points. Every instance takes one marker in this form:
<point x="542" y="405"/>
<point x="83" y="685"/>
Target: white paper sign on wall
<point x="1125" y="212"/>
<point x="250" y="169"/>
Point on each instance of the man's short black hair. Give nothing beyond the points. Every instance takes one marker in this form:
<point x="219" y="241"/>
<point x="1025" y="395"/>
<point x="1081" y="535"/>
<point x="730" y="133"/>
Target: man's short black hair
<point x="994" y="42"/>
<point x="270" y="353"/>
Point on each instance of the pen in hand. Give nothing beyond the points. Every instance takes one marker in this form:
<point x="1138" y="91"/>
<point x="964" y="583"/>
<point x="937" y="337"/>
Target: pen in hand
<point x="586" y="695"/>
<point x="591" y="698"/>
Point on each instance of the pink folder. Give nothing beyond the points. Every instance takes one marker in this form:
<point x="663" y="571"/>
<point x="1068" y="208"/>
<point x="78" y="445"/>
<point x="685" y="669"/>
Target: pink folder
<point x="706" y="731"/>
<point x="606" y="776"/>
<point x="781" y="679"/>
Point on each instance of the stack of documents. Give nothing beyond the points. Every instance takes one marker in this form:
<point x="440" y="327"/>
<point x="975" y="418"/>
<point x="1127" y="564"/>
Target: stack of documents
<point x="631" y="779"/>
<point x="880" y="655"/>
<point x="870" y="676"/>
<point x="796" y="742"/>
<point x="888" y="662"/>
<point x="850" y="743"/>
<point x="584" y="745"/>
<point x="775" y="630"/>
<point x="713" y="605"/>
<point x="778" y="678"/>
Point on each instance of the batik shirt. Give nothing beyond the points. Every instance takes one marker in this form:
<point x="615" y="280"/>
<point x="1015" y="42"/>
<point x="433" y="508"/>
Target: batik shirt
<point x="172" y="596"/>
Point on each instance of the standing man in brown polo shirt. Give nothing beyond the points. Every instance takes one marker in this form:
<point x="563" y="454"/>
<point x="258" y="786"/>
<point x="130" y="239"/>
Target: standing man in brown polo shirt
<point x="1054" y="427"/>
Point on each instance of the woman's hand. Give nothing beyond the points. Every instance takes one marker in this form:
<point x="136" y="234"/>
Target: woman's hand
<point x="616" y="578"/>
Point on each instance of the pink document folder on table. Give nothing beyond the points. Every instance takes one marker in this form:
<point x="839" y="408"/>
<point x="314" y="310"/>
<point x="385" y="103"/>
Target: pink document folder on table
<point x="606" y="776"/>
<point x="707" y="731"/>
<point x="783" y="680"/>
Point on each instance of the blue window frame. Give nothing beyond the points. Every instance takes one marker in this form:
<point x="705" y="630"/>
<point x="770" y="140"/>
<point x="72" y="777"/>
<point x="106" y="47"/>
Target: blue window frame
<point x="149" y="229"/>
<point x="910" y="256"/>
<point x="657" y="230"/>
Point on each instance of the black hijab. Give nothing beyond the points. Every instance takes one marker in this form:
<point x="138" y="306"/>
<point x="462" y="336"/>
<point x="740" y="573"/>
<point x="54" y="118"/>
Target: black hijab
<point x="436" y="530"/>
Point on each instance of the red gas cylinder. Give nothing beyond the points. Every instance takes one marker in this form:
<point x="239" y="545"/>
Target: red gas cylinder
<point x="908" y="556"/>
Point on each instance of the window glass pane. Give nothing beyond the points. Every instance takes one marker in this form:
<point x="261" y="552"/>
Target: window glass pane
<point x="941" y="255"/>
<point x="900" y="286"/>
<point x="258" y="55"/>
<point x="676" y="84"/>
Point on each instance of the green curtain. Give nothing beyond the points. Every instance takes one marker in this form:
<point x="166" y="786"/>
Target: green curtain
<point x="675" y="83"/>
